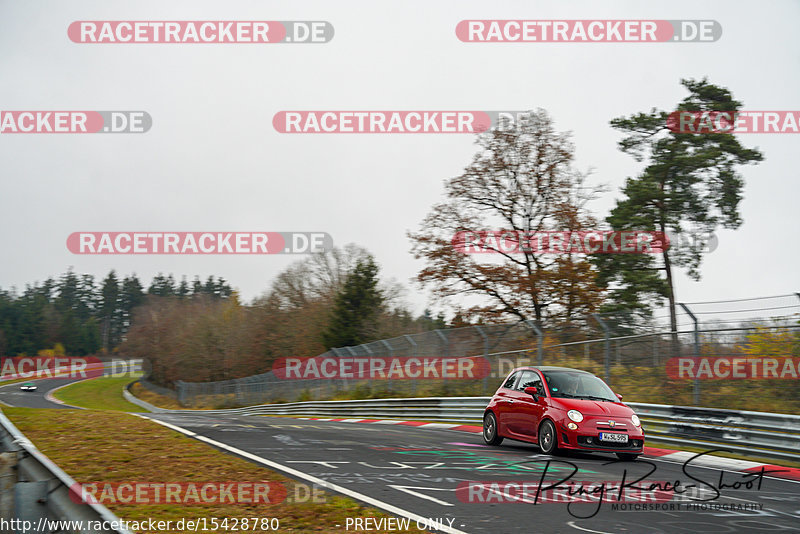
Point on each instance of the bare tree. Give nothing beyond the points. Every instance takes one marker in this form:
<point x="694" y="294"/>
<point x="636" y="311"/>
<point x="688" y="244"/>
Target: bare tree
<point x="521" y="180"/>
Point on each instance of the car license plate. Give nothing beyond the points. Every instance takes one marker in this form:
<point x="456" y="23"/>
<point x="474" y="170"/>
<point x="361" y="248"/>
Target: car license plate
<point x="613" y="438"/>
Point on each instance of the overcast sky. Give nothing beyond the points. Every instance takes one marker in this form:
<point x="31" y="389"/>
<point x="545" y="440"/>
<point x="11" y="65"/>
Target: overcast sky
<point x="213" y="161"/>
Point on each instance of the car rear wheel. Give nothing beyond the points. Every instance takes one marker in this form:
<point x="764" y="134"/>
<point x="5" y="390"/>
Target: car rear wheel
<point x="490" y="435"/>
<point x="627" y="456"/>
<point x="547" y="438"/>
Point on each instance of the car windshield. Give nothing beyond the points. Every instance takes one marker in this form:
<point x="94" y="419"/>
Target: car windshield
<point x="573" y="384"/>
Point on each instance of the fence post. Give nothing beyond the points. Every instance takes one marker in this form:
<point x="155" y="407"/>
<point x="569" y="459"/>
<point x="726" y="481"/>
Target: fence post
<point x="607" y="349"/>
<point x="412" y="343"/>
<point x="539" y="341"/>
<point x="656" y="341"/>
<point x="485" y="354"/>
<point x="446" y="345"/>
<point x="446" y="341"/>
<point x="413" y="353"/>
<point x="696" y="384"/>
<point x="342" y="381"/>
<point x="391" y="353"/>
<point x="180" y="390"/>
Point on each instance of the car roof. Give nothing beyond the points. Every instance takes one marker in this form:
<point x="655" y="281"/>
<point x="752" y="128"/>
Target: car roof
<point x="549" y="368"/>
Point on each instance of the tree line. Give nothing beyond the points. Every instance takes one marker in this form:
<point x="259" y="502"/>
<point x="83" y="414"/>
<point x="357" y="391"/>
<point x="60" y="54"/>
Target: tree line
<point x="82" y="314"/>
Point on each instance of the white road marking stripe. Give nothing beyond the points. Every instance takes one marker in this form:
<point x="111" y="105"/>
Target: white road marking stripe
<point x="573" y="525"/>
<point x="407" y="489"/>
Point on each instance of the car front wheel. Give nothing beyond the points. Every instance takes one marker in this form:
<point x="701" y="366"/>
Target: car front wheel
<point x="547" y="438"/>
<point x="490" y="435"/>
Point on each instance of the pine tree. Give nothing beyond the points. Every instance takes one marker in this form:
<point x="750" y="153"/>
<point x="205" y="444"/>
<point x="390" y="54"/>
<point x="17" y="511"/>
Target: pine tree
<point x="356" y="308"/>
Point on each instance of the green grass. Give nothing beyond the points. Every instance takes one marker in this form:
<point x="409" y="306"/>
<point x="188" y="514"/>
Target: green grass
<point x="98" y="394"/>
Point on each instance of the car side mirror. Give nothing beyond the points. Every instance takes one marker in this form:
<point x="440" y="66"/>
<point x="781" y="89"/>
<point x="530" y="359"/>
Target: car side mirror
<point x="619" y="396"/>
<point x="533" y="392"/>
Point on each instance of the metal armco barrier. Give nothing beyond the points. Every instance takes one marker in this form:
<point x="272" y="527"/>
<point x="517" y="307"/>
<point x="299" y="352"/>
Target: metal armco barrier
<point x="41" y="489"/>
<point x="750" y="433"/>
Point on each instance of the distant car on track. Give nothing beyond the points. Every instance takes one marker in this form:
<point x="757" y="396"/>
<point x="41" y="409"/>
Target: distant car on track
<point x="28" y="386"/>
<point x="562" y="409"/>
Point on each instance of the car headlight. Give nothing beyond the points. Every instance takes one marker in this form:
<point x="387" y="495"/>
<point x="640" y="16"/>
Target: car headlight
<point x="572" y="426"/>
<point x="575" y="415"/>
<point x="635" y="419"/>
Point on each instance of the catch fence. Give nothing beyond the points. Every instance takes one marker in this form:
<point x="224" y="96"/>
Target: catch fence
<point x="727" y="354"/>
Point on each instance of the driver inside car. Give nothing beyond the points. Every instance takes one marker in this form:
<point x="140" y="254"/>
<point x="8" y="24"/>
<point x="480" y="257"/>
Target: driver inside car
<point x="571" y="387"/>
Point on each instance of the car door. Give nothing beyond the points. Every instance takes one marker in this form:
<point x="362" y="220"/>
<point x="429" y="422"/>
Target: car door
<point x="504" y="406"/>
<point x="527" y="411"/>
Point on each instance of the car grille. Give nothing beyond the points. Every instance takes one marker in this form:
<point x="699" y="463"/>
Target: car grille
<point x="592" y="441"/>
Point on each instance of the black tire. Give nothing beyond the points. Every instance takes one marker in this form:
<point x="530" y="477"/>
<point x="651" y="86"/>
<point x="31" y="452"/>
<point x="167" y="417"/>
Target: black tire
<point x="627" y="456"/>
<point x="490" y="435"/>
<point x="548" y="440"/>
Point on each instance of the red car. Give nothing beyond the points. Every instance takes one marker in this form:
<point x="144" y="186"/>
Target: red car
<point x="561" y="408"/>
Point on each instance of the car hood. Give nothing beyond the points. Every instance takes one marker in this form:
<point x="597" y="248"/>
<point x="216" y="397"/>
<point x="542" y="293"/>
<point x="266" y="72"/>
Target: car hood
<point x="592" y="407"/>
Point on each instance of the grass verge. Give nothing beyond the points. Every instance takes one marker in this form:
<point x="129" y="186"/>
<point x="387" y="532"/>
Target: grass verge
<point x="109" y="446"/>
<point x="156" y="399"/>
<point x="103" y="393"/>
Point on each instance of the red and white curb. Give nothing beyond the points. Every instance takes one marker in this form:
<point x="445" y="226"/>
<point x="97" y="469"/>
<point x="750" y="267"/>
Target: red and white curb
<point x="670" y="455"/>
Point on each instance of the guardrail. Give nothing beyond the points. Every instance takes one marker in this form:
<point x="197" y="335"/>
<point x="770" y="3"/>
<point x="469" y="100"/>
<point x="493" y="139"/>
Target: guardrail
<point x="42" y="489"/>
<point x="751" y="433"/>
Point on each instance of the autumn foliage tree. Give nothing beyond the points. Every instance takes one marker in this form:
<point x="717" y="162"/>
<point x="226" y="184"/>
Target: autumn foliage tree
<point x="520" y="180"/>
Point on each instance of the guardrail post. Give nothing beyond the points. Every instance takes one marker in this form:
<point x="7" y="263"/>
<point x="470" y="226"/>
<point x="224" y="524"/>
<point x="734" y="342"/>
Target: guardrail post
<point x="696" y="384"/>
<point x="607" y="349"/>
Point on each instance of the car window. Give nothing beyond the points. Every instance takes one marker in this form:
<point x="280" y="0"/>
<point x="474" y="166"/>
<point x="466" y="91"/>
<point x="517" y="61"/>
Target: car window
<point x="577" y="384"/>
<point x="510" y="382"/>
<point x="530" y="379"/>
